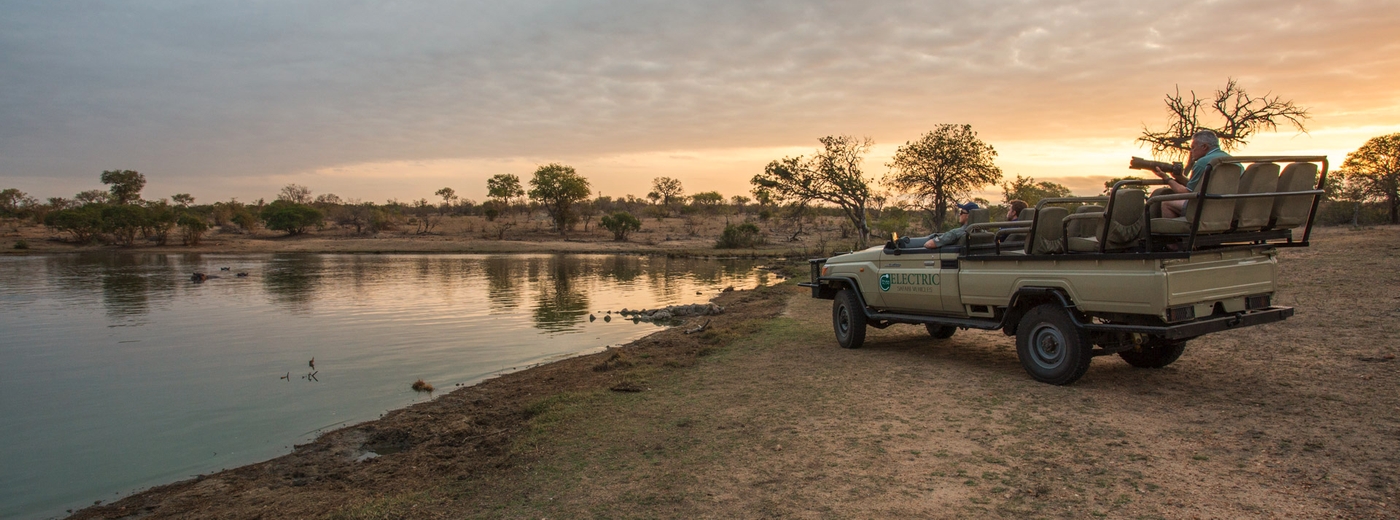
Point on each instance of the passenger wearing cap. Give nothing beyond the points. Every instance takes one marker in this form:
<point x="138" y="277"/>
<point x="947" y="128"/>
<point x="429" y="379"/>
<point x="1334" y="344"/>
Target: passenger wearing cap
<point x="953" y="235"/>
<point x="1205" y="146"/>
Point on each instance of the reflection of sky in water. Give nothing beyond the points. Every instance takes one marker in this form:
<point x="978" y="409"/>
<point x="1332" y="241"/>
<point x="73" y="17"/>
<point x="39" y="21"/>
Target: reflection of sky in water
<point x="118" y="372"/>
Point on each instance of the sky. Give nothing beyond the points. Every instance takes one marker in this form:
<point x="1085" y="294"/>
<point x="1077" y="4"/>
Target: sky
<point x="396" y="99"/>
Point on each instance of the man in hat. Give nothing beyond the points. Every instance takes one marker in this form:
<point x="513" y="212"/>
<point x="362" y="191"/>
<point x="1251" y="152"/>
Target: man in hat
<point x="1205" y="146"/>
<point x="953" y="235"/>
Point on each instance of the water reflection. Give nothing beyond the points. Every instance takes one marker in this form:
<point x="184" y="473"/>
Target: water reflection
<point x="501" y="281"/>
<point x="560" y="303"/>
<point x="623" y="268"/>
<point x="159" y="373"/>
<point x="292" y="281"/>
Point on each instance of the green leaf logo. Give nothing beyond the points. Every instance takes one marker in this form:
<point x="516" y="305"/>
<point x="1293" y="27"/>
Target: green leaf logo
<point x="885" y="282"/>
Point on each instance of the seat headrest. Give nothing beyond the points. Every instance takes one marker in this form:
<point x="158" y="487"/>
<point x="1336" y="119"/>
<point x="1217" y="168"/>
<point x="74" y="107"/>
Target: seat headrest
<point x="979" y="216"/>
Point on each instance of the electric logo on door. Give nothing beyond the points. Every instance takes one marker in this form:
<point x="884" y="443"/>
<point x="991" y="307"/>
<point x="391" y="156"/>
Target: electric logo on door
<point x="908" y="282"/>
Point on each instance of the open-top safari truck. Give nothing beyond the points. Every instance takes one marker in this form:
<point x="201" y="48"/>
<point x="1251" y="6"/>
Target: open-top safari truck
<point x="1080" y="277"/>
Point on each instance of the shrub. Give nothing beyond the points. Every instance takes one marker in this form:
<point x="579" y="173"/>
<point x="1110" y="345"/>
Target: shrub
<point x="21" y="244"/>
<point x="124" y="222"/>
<point x="291" y="217"/>
<point x="194" y="228"/>
<point x="740" y="236"/>
<point x="620" y="223"/>
<point x="82" y="222"/>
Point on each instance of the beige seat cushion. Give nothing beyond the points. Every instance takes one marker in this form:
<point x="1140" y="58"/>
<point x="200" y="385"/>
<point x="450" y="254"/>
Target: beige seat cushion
<point x="1217" y="215"/>
<point x="1171" y="226"/>
<point x="1253" y="214"/>
<point x="1049" y="232"/>
<point x="1084" y="228"/>
<point x="1125" y="227"/>
<point x="1291" y="212"/>
<point x="1083" y="244"/>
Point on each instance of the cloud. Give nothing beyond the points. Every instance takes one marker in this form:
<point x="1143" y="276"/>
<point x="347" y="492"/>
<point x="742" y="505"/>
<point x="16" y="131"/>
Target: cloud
<point x="225" y="93"/>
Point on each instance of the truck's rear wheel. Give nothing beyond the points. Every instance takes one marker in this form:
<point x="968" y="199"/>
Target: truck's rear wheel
<point x="940" y="331"/>
<point x="1051" y="348"/>
<point x="848" y="318"/>
<point x="1155" y="356"/>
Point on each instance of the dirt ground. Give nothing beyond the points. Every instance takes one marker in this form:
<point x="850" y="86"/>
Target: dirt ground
<point x="762" y="415"/>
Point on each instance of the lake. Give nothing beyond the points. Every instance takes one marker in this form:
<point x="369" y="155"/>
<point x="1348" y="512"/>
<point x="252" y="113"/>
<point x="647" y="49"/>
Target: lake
<point x="117" y="372"/>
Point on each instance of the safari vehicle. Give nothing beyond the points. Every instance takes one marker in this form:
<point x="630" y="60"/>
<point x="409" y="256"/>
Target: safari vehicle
<point x="1091" y="276"/>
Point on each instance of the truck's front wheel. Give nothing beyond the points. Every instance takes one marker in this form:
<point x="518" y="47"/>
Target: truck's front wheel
<point x="1155" y="356"/>
<point x="848" y="318"/>
<point x="1051" y="348"/>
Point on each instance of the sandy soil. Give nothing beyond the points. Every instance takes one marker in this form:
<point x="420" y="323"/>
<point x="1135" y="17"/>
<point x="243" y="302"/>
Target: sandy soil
<point x="762" y="415"/>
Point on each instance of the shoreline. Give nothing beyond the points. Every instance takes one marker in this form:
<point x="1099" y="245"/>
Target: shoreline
<point x="671" y="237"/>
<point x="501" y="406"/>
<point x="762" y="415"/>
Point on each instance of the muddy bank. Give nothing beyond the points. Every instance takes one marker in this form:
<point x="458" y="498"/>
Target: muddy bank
<point x="458" y="436"/>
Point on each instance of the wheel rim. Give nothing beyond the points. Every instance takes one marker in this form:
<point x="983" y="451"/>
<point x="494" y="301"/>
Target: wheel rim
<point x="1047" y="346"/>
<point x="843" y="321"/>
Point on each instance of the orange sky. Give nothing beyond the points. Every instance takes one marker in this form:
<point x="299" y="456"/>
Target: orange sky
<point x="395" y="101"/>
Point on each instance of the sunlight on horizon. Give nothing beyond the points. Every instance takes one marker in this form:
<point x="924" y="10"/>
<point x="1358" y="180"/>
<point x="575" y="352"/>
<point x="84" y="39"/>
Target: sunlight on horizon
<point x="1082" y="164"/>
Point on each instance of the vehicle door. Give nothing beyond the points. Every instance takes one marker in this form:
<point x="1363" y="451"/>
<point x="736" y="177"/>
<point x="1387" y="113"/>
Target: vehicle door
<point x="911" y="280"/>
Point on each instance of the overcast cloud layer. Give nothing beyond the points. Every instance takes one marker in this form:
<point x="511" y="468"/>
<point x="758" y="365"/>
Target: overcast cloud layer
<point x="209" y="93"/>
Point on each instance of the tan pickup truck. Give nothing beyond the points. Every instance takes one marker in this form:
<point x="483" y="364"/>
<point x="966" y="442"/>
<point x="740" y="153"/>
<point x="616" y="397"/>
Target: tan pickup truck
<point x="1091" y="276"/>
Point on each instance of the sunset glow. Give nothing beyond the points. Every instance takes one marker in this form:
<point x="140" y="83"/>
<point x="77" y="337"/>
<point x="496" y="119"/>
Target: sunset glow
<point x="379" y="102"/>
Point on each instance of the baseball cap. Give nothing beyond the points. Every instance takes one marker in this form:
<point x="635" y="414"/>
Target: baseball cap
<point x="968" y="206"/>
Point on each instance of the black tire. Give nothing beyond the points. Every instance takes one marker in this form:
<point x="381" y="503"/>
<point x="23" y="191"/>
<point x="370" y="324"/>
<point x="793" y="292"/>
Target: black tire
<point x="1154" y="356"/>
<point x="848" y="318"/>
<point x="940" y="331"/>
<point x="1051" y="348"/>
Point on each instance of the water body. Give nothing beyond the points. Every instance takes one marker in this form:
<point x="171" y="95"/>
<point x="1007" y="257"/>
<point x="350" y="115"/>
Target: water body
<point x="118" y="373"/>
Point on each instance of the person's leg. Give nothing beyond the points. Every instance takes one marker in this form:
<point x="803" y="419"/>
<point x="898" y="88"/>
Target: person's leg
<point x="1173" y="208"/>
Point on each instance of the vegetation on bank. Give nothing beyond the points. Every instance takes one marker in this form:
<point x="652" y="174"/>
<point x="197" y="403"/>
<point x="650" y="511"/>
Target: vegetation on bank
<point x="926" y="176"/>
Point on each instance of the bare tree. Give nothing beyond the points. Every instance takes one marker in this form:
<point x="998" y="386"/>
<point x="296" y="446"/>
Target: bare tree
<point x="665" y="190"/>
<point x="1240" y="117"/>
<point x="942" y="166"/>
<point x="833" y="175"/>
<point x="1375" y="170"/>
<point x="295" y="193"/>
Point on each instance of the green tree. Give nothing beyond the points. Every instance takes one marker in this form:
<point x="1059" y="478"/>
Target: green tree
<point x="125" y="185"/>
<point x="83" y="222"/>
<point x="621" y="224"/>
<point x="1028" y="190"/>
<point x="449" y="196"/>
<point x="736" y="236"/>
<point x="558" y="188"/>
<point x="1375" y="169"/>
<point x="294" y="218"/>
<point x="183" y="200"/>
<point x="193" y="228"/>
<point x="15" y="203"/>
<point x="124" y="222"/>
<point x="707" y="201"/>
<point x="1236" y="115"/>
<point x="665" y="191"/>
<point x="504" y="188"/>
<point x="832" y="175"/>
<point x="160" y="220"/>
<point x="942" y="166"/>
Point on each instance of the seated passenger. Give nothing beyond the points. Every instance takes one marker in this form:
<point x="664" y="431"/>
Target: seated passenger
<point x="1013" y="214"/>
<point x="1205" y="147"/>
<point x="952" y="236"/>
